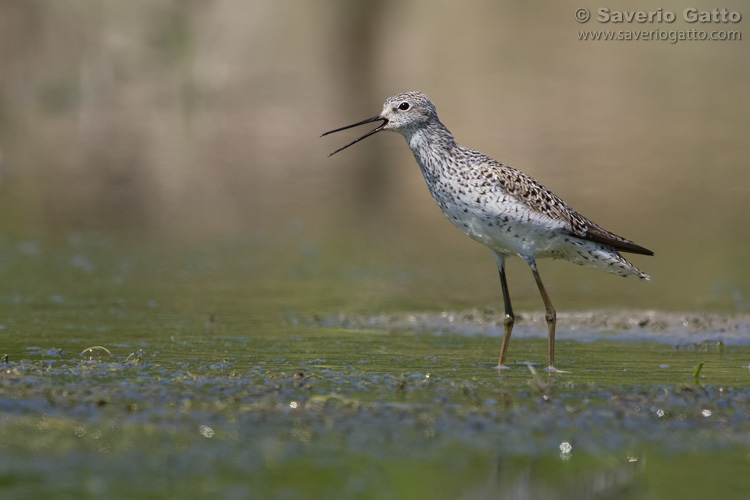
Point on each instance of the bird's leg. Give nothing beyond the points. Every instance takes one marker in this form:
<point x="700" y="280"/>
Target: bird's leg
<point x="549" y="315"/>
<point x="510" y="318"/>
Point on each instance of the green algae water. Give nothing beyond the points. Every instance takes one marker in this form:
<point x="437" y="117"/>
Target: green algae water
<point x="216" y="373"/>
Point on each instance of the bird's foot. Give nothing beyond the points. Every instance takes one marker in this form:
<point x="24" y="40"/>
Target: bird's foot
<point x="501" y="367"/>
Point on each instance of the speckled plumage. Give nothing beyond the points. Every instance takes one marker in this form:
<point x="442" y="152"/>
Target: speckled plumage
<point x="499" y="206"/>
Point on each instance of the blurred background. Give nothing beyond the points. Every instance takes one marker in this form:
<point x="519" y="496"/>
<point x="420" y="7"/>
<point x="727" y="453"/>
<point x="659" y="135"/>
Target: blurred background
<point x="197" y="123"/>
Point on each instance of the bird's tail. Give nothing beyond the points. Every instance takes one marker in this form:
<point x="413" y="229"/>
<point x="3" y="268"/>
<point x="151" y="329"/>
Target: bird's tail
<point x="605" y="258"/>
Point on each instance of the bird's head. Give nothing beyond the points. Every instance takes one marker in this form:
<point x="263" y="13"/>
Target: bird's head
<point x="401" y="113"/>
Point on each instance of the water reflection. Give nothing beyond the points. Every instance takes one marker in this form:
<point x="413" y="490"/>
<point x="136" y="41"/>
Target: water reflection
<point x="523" y="478"/>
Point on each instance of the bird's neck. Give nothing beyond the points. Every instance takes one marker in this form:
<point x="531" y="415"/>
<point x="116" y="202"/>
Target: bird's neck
<point x="433" y="146"/>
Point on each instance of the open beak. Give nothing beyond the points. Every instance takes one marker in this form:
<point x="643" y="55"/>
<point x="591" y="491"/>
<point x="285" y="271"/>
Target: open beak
<point x="368" y="134"/>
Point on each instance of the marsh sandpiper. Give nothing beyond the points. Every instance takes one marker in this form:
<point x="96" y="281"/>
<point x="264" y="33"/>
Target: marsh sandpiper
<point x="500" y="207"/>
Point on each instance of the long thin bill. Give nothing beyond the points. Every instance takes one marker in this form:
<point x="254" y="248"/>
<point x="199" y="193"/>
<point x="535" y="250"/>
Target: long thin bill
<point x="363" y="122"/>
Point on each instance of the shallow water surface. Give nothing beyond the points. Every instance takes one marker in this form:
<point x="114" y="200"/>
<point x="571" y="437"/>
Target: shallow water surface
<point x="220" y="378"/>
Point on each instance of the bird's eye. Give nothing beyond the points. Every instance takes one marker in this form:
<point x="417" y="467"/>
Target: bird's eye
<point x="403" y="106"/>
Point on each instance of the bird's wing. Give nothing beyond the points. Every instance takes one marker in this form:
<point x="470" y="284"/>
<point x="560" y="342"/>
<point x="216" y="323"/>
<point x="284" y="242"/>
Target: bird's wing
<point x="594" y="232"/>
<point x="544" y="201"/>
